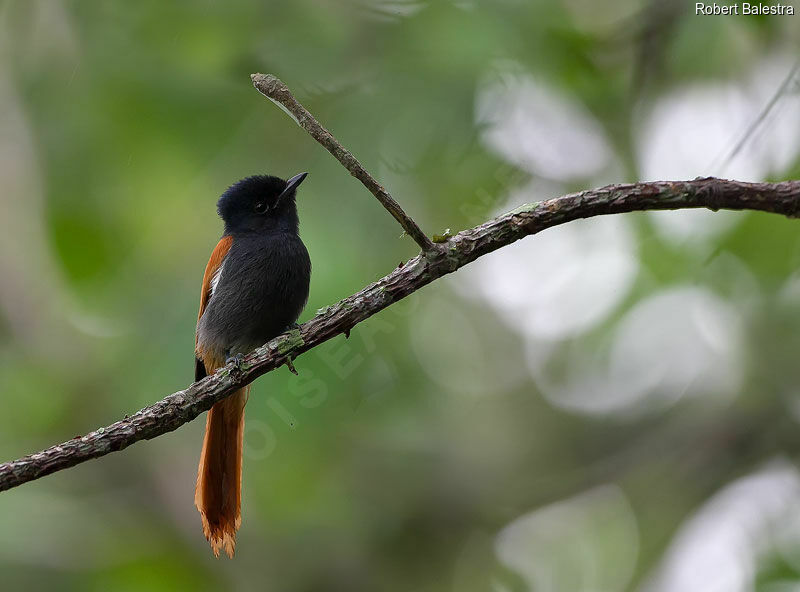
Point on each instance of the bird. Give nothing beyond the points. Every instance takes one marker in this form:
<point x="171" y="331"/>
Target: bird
<point x="255" y="287"/>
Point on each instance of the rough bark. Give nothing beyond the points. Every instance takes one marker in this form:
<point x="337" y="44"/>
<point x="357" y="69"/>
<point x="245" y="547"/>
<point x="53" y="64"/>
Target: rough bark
<point x="441" y="259"/>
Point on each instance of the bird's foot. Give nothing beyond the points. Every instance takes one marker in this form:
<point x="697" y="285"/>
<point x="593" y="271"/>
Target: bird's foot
<point x="292" y="327"/>
<point x="237" y="361"/>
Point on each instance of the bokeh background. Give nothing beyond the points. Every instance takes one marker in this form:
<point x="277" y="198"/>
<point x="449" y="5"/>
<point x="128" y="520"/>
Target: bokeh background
<point x="612" y="405"/>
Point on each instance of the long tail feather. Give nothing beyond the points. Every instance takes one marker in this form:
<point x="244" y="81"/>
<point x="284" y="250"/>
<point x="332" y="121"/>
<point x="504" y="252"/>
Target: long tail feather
<point x="219" y="477"/>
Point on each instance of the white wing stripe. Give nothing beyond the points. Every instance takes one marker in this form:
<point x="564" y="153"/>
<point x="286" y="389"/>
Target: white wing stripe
<point x="216" y="276"/>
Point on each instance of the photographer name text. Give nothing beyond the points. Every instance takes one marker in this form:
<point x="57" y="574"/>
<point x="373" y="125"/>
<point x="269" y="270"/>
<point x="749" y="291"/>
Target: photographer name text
<point x="743" y="8"/>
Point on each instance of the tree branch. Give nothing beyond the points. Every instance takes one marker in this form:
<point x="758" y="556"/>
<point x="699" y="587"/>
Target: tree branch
<point x="275" y="90"/>
<point x="183" y="406"/>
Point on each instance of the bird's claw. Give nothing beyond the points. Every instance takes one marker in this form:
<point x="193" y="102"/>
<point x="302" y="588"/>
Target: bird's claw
<point x="237" y="361"/>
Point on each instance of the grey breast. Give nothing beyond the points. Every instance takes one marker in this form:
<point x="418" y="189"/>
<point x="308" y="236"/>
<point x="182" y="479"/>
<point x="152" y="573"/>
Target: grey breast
<point x="260" y="290"/>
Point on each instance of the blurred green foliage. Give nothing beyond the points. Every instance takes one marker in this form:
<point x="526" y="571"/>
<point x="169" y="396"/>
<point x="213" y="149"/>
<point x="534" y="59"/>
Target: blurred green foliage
<point x="397" y="457"/>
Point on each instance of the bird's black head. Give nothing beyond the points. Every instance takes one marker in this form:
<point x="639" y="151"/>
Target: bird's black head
<point x="261" y="203"/>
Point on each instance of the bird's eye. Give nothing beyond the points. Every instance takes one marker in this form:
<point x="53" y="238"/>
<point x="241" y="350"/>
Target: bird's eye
<point x="260" y="207"/>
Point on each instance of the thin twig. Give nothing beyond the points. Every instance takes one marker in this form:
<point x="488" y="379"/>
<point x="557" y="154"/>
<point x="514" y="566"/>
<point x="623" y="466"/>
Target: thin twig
<point x="275" y="90"/>
<point x="459" y="250"/>
<point x="782" y="90"/>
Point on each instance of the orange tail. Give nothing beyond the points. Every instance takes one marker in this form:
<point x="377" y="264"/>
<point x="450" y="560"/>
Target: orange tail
<point x="219" y="477"/>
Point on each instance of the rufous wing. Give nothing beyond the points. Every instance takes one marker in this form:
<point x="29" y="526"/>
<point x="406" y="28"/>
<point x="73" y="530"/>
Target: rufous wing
<point x="212" y="269"/>
<point x="214" y="263"/>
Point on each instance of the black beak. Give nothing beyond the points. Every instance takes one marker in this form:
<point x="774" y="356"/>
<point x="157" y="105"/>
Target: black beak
<point x="291" y="185"/>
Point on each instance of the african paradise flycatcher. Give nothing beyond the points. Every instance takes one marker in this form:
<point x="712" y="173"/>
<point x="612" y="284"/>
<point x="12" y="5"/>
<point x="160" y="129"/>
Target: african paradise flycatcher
<point x="255" y="286"/>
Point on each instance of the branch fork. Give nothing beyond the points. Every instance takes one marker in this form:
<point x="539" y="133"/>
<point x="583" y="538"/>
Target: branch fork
<point x="275" y="90"/>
